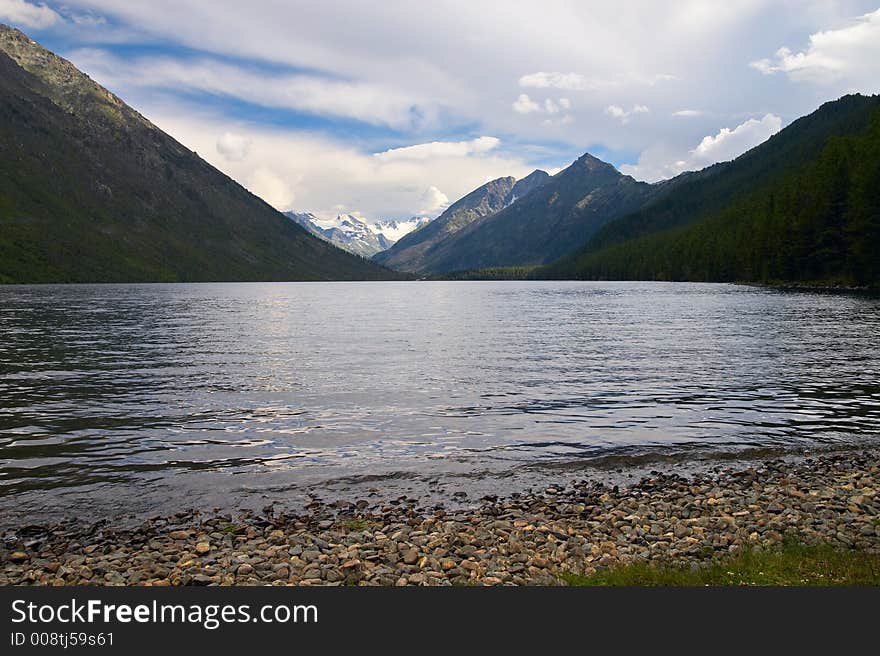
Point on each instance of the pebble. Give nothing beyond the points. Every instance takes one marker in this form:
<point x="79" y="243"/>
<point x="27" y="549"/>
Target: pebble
<point x="528" y="538"/>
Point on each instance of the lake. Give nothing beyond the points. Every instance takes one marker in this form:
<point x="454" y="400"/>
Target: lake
<point x="146" y="399"/>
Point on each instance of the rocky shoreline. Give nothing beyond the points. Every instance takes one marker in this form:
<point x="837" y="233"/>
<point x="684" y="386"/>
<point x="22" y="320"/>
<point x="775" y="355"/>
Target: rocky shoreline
<point x="524" y="539"/>
<point x="826" y="288"/>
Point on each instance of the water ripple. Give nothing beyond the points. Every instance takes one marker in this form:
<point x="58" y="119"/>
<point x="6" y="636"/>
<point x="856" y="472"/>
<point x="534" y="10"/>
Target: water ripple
<point x="147" y="396"/>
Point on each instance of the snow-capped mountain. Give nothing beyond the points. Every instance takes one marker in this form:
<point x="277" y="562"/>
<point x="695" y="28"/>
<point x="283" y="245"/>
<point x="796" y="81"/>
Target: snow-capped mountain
<point x="396" y="230"/>
<point x="356" y="235"/>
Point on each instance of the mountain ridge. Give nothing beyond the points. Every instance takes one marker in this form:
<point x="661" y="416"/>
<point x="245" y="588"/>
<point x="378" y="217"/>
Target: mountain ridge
<point x="553" y="218"/>
<point x="414" y="252"/>
<point x="803" y="207"/>
<point x="712" y="186"/>
<point x="91" y="191"/>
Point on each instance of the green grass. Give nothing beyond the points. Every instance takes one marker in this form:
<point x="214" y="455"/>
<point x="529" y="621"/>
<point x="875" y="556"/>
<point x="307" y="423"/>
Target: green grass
<point x="792" y="564"/>
<point x="355" y="524"/>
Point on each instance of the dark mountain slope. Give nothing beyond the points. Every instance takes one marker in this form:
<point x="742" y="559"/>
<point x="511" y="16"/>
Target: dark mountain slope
<point x="802" y="208"/>
<point x="415" y="251"/>
<point x="551" y="221"/>
<point x="90" y="191"/>
<point x="698" y="194"/>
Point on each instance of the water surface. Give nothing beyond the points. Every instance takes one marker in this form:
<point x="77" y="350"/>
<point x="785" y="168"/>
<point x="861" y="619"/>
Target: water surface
<point x="151" y="398"/>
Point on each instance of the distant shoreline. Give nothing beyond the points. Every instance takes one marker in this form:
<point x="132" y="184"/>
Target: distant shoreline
<point x="537" y="538"/>
<point x="469" y="276"/>
<point x="815" y="287"/>
<point x="529" y="274"/>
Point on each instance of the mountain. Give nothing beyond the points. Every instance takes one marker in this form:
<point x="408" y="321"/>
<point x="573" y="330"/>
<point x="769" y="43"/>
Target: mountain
<point x="347" y="232"/>
<point x="547" y="223"/>
<point x="552" y="218"/>
<point x="395" y="230"/>
<point x="91" y="191"/>
<point x="356" y="235"/>
<point x="416" y="252"/>
<point x="803" y="207"/>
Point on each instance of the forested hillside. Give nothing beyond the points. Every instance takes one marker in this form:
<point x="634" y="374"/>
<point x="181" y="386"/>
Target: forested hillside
<point x="813" y="217"/>
<point x="91" y="191"/>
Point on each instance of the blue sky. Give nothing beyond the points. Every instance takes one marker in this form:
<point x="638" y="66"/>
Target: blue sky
<point x="395" y="109"/>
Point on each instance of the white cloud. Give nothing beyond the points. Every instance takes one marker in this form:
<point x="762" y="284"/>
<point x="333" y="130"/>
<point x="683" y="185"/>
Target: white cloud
<point x="432" y="75"/>
<point x="234" y="147"/>
<point x="266" y="184"/>
<point x="579" y="82"/>
<point x="40" y="16"/>
<point x="658" y="162"/>
<point x="525" y="105"/>
<point x="850" y="53"/>
<point x="623" y="115"/>
<point x="688" y="113"/>
<point x="550" y="107"/>
<point x="559" y="122"/>
<point x="320" y="174"/>
<point x="436" y="149"/>
<point x="556" y="80"/>
<point x="728" y="144"/>
<point x="455" y="65"/>
<point x="433" y="202"/>
<point x="811" y="65"/>
<point x="26" y="14"/>
<point x="307" y="93"/>
<point x="87" y="21"/>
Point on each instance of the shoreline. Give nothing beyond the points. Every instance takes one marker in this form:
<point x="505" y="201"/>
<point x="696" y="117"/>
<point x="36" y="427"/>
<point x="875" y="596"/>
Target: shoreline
<point x="580" y="528"/>
<point x="822" y="288"/>
<point x="452" y="492"/>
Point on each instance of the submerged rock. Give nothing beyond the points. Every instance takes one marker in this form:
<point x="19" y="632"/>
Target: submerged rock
<point x="528" y="538"/>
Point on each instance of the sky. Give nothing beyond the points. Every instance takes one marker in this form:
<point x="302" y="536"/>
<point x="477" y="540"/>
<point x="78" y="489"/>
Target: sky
<point x="395" y="109"/>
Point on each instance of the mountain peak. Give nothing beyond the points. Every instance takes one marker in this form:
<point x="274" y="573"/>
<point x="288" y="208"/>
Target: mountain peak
<point x="67" y="86"/>
<point x="793" y="190"/>
<point x="414" y="252"/>
<point x="532" y="181"/>
<point x="351" y="219"/>
<point x="538" y="219"/>
<point x="591" y="163"/>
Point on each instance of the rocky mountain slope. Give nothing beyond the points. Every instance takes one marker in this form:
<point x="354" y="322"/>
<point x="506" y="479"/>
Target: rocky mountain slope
<point x="531" y="222"/>
<point x="417" y="251"/>
<point x="551" y="221"/>
<point x="91" y="191"/>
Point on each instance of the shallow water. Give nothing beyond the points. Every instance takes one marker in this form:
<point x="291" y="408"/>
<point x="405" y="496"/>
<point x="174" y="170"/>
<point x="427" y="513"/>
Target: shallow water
<point x="152" y="398"/>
